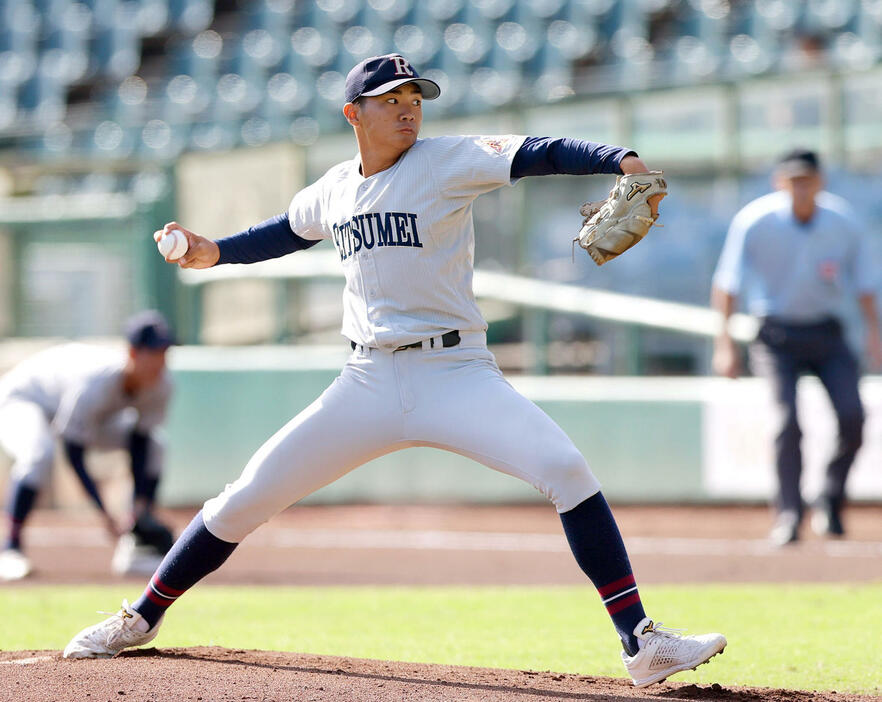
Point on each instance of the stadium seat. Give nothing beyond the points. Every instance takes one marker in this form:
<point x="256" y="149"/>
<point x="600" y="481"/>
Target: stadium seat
<point x="390" y="12"/>
<point x="111" y="141"/>
<point x="273" y="59"/>
<point x="420" y="44"/>
<point x="515" y="43"/>
<point x="495" y="9"/>
<point x="824" y="15"/>
<point x="192" y="16"/>
<point x="159" y="139"/>
<point x="286" y="94"/>
<point x="359" y="42"/>
<point x="317" y="49"/>
<point x="326" y="14"/>
<point x="261" y="49"/>
<point x="213" y="135"/>
<point x="199" y="57"/>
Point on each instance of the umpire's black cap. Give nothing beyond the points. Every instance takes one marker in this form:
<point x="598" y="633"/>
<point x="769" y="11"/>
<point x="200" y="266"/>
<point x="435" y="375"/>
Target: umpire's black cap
<point x="798" y="162"/>
<point x="380" y="74"/>
<point x="149" y="330"/>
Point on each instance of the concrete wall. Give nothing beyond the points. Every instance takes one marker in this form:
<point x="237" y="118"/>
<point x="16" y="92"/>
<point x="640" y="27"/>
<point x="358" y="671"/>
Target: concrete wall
<point x="647" y="439"/>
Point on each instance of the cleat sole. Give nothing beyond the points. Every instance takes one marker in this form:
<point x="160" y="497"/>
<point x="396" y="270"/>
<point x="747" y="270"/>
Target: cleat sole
<point x="674" y="672"/>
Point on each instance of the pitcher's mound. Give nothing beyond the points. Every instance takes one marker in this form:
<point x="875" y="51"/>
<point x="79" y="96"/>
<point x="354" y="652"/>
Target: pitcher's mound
<point x="211" y="674"/>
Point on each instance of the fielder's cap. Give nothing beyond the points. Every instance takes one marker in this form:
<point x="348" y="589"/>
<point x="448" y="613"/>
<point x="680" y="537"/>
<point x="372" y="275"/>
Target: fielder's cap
<point x="149" y="330"/>
<point x="380" y="74"/>
<point x="798" y="162"/>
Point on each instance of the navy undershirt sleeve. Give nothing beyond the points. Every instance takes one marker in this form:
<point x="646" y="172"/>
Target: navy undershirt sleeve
<point x="139" y="447"/>
<point x="271" y="238"/>
<point x="76" y="455"/>
<point x="562" y="155"/>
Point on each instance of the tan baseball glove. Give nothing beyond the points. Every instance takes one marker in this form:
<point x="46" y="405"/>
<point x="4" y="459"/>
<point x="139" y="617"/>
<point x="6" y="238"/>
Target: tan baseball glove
<point x="614" y="225"/>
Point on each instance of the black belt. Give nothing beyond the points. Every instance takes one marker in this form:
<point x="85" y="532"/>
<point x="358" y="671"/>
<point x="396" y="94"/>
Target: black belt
<point x="448" y="339"/>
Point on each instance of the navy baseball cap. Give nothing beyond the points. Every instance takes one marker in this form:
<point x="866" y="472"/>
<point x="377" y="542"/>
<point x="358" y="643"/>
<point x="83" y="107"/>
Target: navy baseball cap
<point x="380" y="74"/>
<point x="149" y="330"/>
<point x="798" y="162"/>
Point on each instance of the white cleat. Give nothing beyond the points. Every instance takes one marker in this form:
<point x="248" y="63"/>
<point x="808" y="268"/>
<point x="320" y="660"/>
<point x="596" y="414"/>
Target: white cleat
<point x="131" y="558"/>
<point x="664" y="652"/>
<point x="106" y="639"/>
<point x="14" y="565"/>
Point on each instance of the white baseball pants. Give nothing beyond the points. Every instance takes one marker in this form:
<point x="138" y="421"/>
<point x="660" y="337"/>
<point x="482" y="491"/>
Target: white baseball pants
<point x="454" y="399"/>
<point x="26" y="435"/>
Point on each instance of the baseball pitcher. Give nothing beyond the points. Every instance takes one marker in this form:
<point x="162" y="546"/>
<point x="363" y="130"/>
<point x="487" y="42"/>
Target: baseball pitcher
<point x="400" y="217"/>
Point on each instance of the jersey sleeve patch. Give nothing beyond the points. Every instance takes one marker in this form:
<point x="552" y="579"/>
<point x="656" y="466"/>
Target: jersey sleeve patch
<point x="496" y="144"/>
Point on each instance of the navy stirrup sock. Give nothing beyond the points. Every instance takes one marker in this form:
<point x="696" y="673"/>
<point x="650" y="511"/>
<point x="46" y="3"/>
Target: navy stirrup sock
<point x="600" y="552"/>
<point x="196" y="553"/>
<point x="148" y="491"/>
<point x="21" y="502"/>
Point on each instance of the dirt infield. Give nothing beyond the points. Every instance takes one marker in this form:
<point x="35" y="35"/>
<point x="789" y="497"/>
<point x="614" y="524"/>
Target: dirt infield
<point x="422" y="545"/>
<point x="523" y="544"/>
<point x="225" y="675"/>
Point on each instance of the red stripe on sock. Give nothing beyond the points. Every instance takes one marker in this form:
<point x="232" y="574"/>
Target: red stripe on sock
<point x="615" y="586"/>
<point x="156" y="599"/>
<point x="165" y="589"/>
<point x="625" y="602"/>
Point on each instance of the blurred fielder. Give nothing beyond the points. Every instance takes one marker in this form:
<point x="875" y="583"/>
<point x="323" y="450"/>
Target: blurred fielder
<point x="420" y="374"/>
<point x="796" y="254"/>
<point x="90" y="398"/>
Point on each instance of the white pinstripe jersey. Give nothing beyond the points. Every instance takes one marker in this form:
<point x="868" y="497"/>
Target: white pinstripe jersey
<point x="405" y="236"/>
<point x="79" y="387"/>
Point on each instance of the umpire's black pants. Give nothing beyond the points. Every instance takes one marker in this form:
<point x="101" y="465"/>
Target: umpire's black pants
<point x="782" y="352"/>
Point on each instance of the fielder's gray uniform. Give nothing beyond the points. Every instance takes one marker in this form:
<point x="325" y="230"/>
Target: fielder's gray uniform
<point x="406" y="242"/>
<point x="75" y="392"/>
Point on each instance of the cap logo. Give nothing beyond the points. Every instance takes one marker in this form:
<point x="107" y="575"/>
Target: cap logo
<point x="402" y="67"/>
<point x="380" y="74"/>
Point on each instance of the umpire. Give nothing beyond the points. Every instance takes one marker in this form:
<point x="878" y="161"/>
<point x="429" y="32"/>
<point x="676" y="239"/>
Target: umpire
<point x="795" y="254"/>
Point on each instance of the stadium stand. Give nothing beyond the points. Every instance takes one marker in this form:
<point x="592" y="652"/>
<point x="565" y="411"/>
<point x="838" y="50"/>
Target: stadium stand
<point x="153" y="78"/>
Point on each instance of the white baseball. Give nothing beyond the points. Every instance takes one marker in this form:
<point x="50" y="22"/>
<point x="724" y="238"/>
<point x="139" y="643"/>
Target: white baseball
<point x="173" y="245"/>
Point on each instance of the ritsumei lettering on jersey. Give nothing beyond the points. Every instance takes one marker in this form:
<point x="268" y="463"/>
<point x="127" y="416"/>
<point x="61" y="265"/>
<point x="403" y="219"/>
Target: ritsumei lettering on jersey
<point x="370" y="229"/>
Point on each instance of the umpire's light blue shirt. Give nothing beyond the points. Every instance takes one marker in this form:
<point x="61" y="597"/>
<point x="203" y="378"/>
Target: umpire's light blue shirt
<point x="794" y="271"/>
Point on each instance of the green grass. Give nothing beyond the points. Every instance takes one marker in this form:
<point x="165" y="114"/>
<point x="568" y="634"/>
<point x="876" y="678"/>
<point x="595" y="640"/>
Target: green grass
<point x="809" y="637"/>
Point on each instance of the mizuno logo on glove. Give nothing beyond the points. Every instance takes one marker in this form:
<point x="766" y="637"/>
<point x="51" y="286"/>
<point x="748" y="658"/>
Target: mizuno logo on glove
<point x="638" y="188"/>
